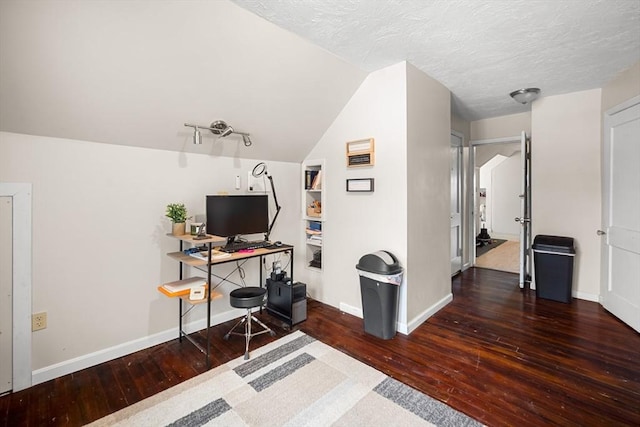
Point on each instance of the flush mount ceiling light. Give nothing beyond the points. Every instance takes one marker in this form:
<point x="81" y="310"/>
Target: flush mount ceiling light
<point x="525" y="96"/>
<point x="220" y="128"/>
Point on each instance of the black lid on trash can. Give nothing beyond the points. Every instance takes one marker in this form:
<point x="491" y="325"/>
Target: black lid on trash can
<point x="381" y="262"/>
<point x="559" y="244"/>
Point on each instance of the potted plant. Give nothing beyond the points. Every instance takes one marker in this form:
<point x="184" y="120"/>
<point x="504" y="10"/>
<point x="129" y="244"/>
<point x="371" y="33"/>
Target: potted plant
<point x="177" y="213"/>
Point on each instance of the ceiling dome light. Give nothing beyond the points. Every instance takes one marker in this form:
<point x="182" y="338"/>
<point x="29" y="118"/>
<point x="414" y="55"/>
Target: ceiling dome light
<point x="525" y="96"/>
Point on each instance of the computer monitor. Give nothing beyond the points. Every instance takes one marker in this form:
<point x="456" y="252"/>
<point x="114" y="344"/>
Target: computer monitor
<point x="232" y="215"/>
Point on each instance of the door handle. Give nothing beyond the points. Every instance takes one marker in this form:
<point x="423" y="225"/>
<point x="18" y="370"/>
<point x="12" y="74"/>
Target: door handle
<point x="600" y="233"/>
<point x="522" y="220"/>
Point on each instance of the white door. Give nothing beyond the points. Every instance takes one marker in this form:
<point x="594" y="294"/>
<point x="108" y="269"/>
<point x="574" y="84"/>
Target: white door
<point x="6" y="292"/>
<point x="620" y="284"/>
<point x="525" y="210"/>
<point x="456" y="202"/>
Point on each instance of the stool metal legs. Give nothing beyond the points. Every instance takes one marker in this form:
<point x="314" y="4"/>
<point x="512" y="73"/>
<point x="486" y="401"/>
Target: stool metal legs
<point x="247" y="319"/>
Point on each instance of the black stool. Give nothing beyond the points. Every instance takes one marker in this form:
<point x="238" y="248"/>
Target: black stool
<point x="248" y="297"/>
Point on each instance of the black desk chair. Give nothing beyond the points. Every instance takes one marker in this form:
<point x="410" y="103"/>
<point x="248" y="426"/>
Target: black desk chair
<point x="248" y="297"/>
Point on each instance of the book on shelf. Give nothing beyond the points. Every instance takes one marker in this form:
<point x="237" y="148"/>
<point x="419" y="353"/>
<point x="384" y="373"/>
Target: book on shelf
<point x="317" y="259"/>
<point x="316" y="184"/>
<point x="315" y="225"/>
<point x="309" y="177"/>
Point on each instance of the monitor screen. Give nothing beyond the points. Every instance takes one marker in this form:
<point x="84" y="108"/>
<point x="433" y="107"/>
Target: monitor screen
<point x="233" y="215"/>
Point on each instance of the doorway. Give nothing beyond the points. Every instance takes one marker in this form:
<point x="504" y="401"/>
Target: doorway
<point x="20" y="193"/>
<point x="455" y="167"/>
<point x="6" y="294"/>
<point x="497" y="169"/>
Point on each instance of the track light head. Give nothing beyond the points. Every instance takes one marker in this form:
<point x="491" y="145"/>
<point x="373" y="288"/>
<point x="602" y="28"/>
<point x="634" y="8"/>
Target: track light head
<point x="197" y="136"/>
<point x="228" y="131"/>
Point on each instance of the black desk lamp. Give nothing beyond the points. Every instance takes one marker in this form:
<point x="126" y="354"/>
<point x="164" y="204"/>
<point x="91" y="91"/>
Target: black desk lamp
<point x="259" y="170"/>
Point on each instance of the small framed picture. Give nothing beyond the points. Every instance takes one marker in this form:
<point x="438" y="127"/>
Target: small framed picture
<point x="361" y="185"/>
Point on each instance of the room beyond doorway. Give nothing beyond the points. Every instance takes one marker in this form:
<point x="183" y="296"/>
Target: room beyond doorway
<point x="500" y="255"/>
<point x="497" y="176"/>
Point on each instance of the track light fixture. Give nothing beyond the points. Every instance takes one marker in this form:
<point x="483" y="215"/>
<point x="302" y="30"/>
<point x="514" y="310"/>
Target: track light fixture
<point x="220" y="128"/>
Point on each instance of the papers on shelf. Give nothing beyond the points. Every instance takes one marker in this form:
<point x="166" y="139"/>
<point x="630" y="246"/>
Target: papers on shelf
<point x="214" y="255"/>
<point x="182" y="287"/>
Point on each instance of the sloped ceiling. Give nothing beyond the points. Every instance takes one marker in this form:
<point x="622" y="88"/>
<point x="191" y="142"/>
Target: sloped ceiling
<point x="484" y="153"/>
<point x="481" y="50"/>
<point x="133" y="72"/>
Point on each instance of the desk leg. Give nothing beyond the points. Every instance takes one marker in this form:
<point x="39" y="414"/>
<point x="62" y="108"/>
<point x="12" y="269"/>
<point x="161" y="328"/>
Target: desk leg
<point x="292" y="265"/>
<point x="208" y="306"/>
<point x="260" y="267"/>
<point x="180" y="301"/>
<point x="180" y="319"/>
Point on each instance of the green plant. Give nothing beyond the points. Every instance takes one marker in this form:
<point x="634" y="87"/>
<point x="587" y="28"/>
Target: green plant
<point x="177" y="213"/>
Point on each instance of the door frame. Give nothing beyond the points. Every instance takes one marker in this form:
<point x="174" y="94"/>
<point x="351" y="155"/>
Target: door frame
<point x="471" y="194"/>
<point x="461" y="198"/>
<point x="22" y="282"/>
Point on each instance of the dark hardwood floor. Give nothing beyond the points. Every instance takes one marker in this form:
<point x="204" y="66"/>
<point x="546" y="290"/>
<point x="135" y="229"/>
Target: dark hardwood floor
<point x="495" y="353"/>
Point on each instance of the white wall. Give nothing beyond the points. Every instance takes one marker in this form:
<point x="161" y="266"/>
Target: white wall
<point x="100" y="244"/>
<point x="485" y="181"/>
<point x="505" y="203"/>
<point x="625" y="86"/>
<point x="428" y="195"/>
<point x="360" y="223"/>
<point x="404" y="110"/>
<point x="501" y="127"/>
<point x="566" y="179"/>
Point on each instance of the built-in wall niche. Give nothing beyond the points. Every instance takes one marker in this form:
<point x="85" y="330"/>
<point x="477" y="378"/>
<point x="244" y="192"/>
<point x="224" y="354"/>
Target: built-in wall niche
<point x="361" y="153"/>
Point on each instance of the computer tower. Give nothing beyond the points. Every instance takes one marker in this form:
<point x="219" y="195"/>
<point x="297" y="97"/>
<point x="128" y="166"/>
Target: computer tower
<point x="287" y="300"/>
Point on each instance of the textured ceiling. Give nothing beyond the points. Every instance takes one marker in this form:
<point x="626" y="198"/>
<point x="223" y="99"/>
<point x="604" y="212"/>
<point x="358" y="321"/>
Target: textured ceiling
<point x="480" y="49"/>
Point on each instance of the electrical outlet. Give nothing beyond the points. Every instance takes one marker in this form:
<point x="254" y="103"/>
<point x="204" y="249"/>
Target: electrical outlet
<point x="39" y="321"/>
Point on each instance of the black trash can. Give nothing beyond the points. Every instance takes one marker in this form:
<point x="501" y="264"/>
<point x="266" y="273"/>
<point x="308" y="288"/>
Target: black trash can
<point x="380" y="280"/>
<point x="553" y="263"/>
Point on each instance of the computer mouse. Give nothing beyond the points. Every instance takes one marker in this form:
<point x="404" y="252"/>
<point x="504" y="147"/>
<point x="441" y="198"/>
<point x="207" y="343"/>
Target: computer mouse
<point x="278" y="243"/>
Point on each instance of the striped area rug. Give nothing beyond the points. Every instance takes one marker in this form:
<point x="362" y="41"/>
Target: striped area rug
<point x="294" y="381"/>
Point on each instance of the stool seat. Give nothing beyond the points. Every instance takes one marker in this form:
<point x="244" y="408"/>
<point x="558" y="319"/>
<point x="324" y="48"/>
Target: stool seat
<point x="247" y="297"/>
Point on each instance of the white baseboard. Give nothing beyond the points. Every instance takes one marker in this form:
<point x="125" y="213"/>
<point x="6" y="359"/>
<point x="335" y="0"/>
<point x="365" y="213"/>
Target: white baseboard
<point x="586" y="296"/>
<point x="349" y="309"/>
<point x="401" y="327"/>
<point x="430" y="311"/>
<point x="76" y="364"/>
